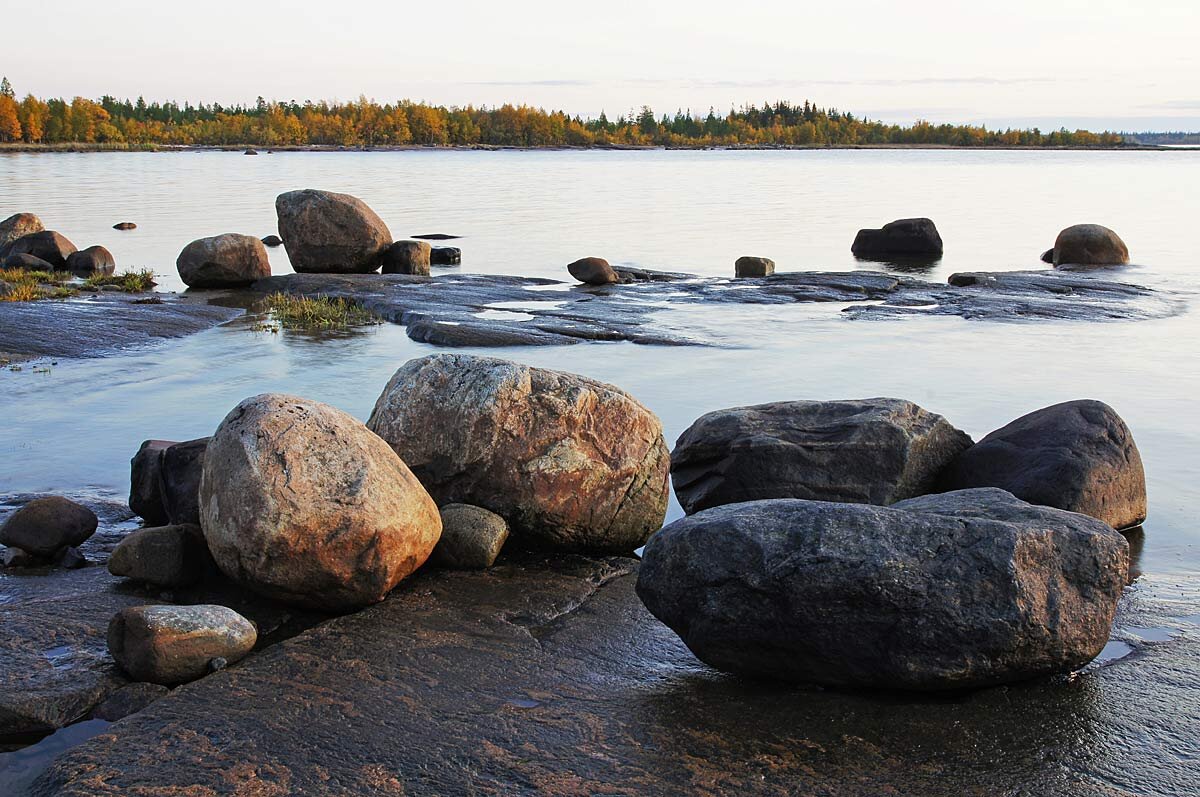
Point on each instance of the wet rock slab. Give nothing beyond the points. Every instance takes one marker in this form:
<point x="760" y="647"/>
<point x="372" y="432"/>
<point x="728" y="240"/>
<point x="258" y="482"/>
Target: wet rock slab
<point x="546" y="676"/>
<point x="492" y="310"/>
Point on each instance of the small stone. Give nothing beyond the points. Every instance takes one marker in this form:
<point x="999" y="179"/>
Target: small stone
<point x="71" y="559"/>
<point x="407" y="257"/>
<point x="174" y="644"/>
<point x="471" y="537"/>
<point x="125" y="225"/>
<point x="170" y="556"/>
<point x="16" y="557"/>
<point x="272" y="241"/>
<point x="217" y="664"/>
<point x="754" y="267"/>
<point x="128" y="700"/>
<point x="44" y="526"/>
<point x="593" y="271"/>
<point x="445" y="256"/>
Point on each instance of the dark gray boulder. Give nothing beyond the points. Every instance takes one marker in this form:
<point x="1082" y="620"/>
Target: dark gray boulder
<point x="445" y="256"/>
<point x="27" y="262"/>
<point x="93" y="260"/>
<point x="145" y="485"/>
<point x="167" y="556"/>
<point x="45" y="526"/>
<point x="869" y="451"/>
<point x="1078" y="456"/>
<point x="753" y="267"/>
<point x="471" y="537"/>
<point x="272" y="241"/>
<point x="327" y="232"/>
<point x="593" y="271"/>
<point x="901" y="239"/>
<point x="954" y="591"/>
<point x="49" y="245"/>
<point x="179" y="480"/>
<point x="407" y="257"/>
<point x="1048" y="256"/>
<point x="223" y="261"/>
<point x="1089" y="245"/>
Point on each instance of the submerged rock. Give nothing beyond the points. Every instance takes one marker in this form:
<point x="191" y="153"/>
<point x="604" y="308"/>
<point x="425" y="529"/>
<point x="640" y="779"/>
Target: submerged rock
<point x="754" y="267"/>
<point x="570" y="463"/>
<point x="905" y="238"/>
<point x="145" y="485"/>
<point x="91" y="261"/>
<point x="167" y="556"/>
<point x="471" y="537"/>
<point x="51" y="246"/>
<point x="1089" y="245"/>
<point x="45" y="526"/>
<point x="593" y="271"/>
<point x="179" y="480"/>
<point x="326" y="232"/>
<point x="17" y="226"/>
<point x="871" y="451"/>
<point x="125" y="225"/>
<point x="407" y="257"/>
<point x="272" y="241"/>
<point x="1078" y="456"/>
<point x="445" y="256"/>
<point x="223" y="261"/>
<point x="953" y="591"/>
<point x="301" y="503"/>
<point x="174" y="644"/>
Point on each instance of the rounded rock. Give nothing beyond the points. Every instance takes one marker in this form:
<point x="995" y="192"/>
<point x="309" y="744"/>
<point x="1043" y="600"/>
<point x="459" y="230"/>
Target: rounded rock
<point x="900" y="239"/>
<point x="1089" y="245"/>
<point x="49" y="245"/>
<point x="17" y="226"/>
<point x="326" y="232"/>
<point x="223" y="261"/>
<point x="174" y="644"/>
<point x="45" y="526"/>
<point x="93" y="260"/>
<point x="27" y="262"/>
<point x="272" y="241"/>
<point x="593" y="271"/>
<point x="472" y="537"/>
<point x="407" y="257"/>
<point x="125" y="225"/>
<point x="754" y="267"/>
<point x="167" y="556"/>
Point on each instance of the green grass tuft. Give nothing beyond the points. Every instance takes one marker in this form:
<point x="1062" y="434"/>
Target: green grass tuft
<point x="322" y="312"/>
<point x="129" y="282"/>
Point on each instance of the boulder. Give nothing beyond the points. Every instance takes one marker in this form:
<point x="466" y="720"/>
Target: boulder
<point x="471" y="537"/>
<point x="325" y="232"/>
<point x="45" y="526"/>
<point x="125" y="225"/>
<point x="1048" y="256"/>
<point x="407" y="257"/>
<point x="593" y="271"/>
<point x="1078" y="456"/>
<point x="179" y="480"/>
<point x="173" y="644"/>
<point x="754" y="267"/>
<point x="967" y="279"/>
<point x="1089" y="245"/>
<point x="905" y="238"/>
<point x="48" y="245"/>
<point x="570" y="463"/>
<point x="17" y="226"/>
<point x="93" y="260"/>
<point x="953" y="591"/>
<point x="272" y="241"/>
<point x="167" y="556"/>
<point x="301" y="503"/>
<point x="27" y="262"/>
<point x="869" y="451"/>
<point x="223" y="261"/>
<point x="145" y="486"/>
<point x="129" y="699"/>
<point x="445" y="256"/>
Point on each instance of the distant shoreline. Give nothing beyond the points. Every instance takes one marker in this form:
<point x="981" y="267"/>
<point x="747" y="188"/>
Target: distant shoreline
<point x="241" y="148"/>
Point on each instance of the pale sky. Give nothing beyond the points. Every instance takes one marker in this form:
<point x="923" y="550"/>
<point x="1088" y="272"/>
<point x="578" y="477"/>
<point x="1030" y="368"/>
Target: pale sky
<point x="1114" y="64"/>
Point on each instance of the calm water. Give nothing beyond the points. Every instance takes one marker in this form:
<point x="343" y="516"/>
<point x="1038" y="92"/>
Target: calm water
<point x="531" y="212"/>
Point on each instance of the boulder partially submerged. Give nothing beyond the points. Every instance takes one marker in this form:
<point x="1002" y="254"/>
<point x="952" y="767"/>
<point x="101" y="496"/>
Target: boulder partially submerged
<point x="174" y="644"/>
<point x="872" y="451"/>
<point x="753" y="267"/>
<point x="94" y="260"/>
<point x="593" y="271"/>
<point x="51" y="246"/>
<point x="44" y="527"/>
<point x="223" y="261"/>
<point x="1089" y="245"/>
<point x="327" y="232"/>
<point x="966" y="589"/>
<point x="407" y="257"/>
<point x="901" y="239"/>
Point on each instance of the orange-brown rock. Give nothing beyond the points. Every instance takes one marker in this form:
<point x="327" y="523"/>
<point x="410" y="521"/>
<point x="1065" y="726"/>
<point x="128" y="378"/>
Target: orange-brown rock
<point x="300" y="502"/>
<point x="173" y="644"/>
<point x="570" y="463"/>
<point x="326" y="232"/>
<point x="17" y="226"/>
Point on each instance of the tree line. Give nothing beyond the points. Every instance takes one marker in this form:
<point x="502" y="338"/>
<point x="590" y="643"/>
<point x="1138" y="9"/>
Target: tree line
<point x="366" y="123"/>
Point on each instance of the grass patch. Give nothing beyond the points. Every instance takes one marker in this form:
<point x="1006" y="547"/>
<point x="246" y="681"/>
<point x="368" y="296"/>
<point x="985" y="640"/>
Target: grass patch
<point x="323" y="312"/>
<point x="29" y="286"/>
<point x="129" y="282"/>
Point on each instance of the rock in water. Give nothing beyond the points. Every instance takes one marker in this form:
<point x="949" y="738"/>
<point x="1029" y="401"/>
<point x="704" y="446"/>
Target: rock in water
<point x="325" y="232"/>
<point x="471" y="537"/>
<point x="272" y="241"/>
<point x="593" y="271"/>
<point x="300" y="502"/>
<point x="951" y="591"/>
<point x="179" y="480"/>
<point x="445" y="256"/>
<point x="168" y="556"/>
<point x="145" y="487"/>
<point x="50" y="246"/>
<point x="570" y="463"/>
<point x="17" y="226"/>
<point x="1078" y="456"/>
<point x="754" y="267"/>
<point x="124" y="225"/>
<point x="93" y="260"/>
<point x="1090" y="245"/>
<point x="407" y="257"/>
<point x="173" y="644"/>
<point x="27" y="262"/>
<point x="904" y="238"/>
<point x="45" y="526"/>
<point x="223" y="261"/>
<point x="871" y="451"/>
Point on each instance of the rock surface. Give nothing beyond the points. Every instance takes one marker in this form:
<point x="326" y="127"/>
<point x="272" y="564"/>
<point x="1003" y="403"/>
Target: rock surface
<point x="145" y="485"/>
<point x="593" y="271"/>
<point x="1089" y="245"/>
<point x="871" y="451"/>
<point x="905" y="238"/>
<point x="166" y="556"/>
<point x="17" y="226"/>
<point x="754" y="267"/>
<point x="91" y="261"/>
<point x="472" y="537"/>
<point x="1078" y="456"/>
<point x="407" y="257"/>
<point x="301" y="503"/>
<point x="45" y="526"/>
<point x="954" y="591"/>
<point x="325" y="232"/>
<point x="128" y="700"/>
<point x="223" y="261"/>
<point x="179" y="480"/>
<point x="570" y="463"/>
<point x="174" y="644"/>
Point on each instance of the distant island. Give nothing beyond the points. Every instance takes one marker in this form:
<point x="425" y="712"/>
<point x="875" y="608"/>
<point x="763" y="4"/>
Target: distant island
<point x="110" y="123"/>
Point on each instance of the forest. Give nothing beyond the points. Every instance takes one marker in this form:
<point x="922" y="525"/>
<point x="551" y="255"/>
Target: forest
<point x="366" y="123"/>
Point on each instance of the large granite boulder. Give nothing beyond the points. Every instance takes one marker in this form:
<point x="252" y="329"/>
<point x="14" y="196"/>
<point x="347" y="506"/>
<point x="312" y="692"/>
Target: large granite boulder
<point x="173" y="644"/>
<point x="325" y="232"/>
<point x="91" y="261"/>
<point x="223" y="261"/>
<point x="1089" y="245"/>
<point x="46" y="526"/>
<point x="593" y="271"/>
<point x="951" y="591"/>
<point x="407" y="257"/>
<point x="145" y="487"/>
<point x="570" y="463"/>
<point x="167" y="556"/>
<point x="17" y="226"/>
<point x="179" y="480"/>
<point x="51" y="246"/>
<point x="301" y="503"/>
<point x="901" y="239"/>
<point x="1078" y="456"/>
<point x="472" y="537"/>
<point x="870" y="451"/>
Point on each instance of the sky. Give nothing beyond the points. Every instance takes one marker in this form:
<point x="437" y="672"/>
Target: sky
<point x="1100" y="64"/>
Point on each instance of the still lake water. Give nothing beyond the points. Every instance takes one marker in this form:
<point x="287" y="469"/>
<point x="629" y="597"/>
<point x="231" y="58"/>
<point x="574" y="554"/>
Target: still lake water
<point x="531" y="212"/>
